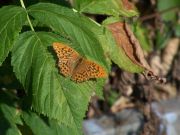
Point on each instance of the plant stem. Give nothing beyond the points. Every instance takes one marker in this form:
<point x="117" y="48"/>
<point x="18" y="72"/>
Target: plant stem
<point x="144" y="18"/>
<point x="30" y="24"/>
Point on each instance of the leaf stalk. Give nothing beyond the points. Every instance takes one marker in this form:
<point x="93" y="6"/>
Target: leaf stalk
<point x="29" y="21"/>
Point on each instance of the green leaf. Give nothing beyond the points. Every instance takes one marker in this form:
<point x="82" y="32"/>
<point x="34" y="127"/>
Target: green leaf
<point x="117" y="54"/>
<point x="12" y="19"/>
<point x="177" y="30"/>
<point x="163" y="36"/>
<point x="167" y="4"/>
<point x="59" y="2"/>
<point x="44" y="126"/>
<point x="52" y="94"/>
<point x="142" y="35"/>
<point x="9" y="115"/>
<point x="83" y="33"/>
<point x="61" y="129"/>
<point x="79" y="29"/>
<point x="113" y="96"/>
<point x="74" y="26"/>
<point x="110" y="20"/>
<point x="107" y="7"/>
<point x="36" y="124"/>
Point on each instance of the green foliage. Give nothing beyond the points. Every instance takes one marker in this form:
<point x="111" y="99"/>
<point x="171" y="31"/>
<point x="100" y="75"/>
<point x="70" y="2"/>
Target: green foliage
<point x="177" y="30"/>
<point x="167" y="4"/>
<point x="169" y="15"/>
<point x="62" y="102"/>
<point x="117" y="54"/>
<point x="46" y="126"/>
<point x="52" y="94"/>
<point x="106" y="7"/>
<point x="9" y="115"/>
<point x="112" y="97"/>
<point x="63" y="20"/>
<point x="142" y="35"/>
<point x="14" y="121"/>
<point x="163" y="36"/>
<point x="12" y="19"/>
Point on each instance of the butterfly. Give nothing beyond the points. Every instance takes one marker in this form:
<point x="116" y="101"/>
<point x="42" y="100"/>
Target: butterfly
<point x="76" y="67"/>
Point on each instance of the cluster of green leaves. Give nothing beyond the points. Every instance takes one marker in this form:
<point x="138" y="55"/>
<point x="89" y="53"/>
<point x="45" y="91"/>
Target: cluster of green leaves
<point x="62" y="102"/>
<point x="171" y="26"/>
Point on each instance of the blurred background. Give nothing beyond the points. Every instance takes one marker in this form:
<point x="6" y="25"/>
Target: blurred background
<point x="133" y="105"/>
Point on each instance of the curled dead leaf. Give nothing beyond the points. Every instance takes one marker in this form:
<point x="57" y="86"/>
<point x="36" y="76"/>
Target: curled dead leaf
<point x="125" y="39"/>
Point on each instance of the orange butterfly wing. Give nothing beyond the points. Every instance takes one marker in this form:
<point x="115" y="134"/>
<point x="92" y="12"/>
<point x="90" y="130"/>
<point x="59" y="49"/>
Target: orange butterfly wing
<point x="68" y="58"/>
<point x="87" y="70"/>
<point x="73" y="65"/>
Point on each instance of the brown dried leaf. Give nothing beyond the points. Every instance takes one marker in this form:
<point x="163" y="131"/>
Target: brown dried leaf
<point x="122" y="103"/>
<point x="128" y="5"/>
<point x="125" y="39"/>
<point x="169" y="53"/>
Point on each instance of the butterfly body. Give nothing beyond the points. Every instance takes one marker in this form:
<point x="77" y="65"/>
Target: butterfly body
<point x="75" y="66"/>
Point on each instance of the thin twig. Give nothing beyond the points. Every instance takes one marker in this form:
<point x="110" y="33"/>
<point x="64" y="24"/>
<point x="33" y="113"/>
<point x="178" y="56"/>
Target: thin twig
<point x="147" y="17"/>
